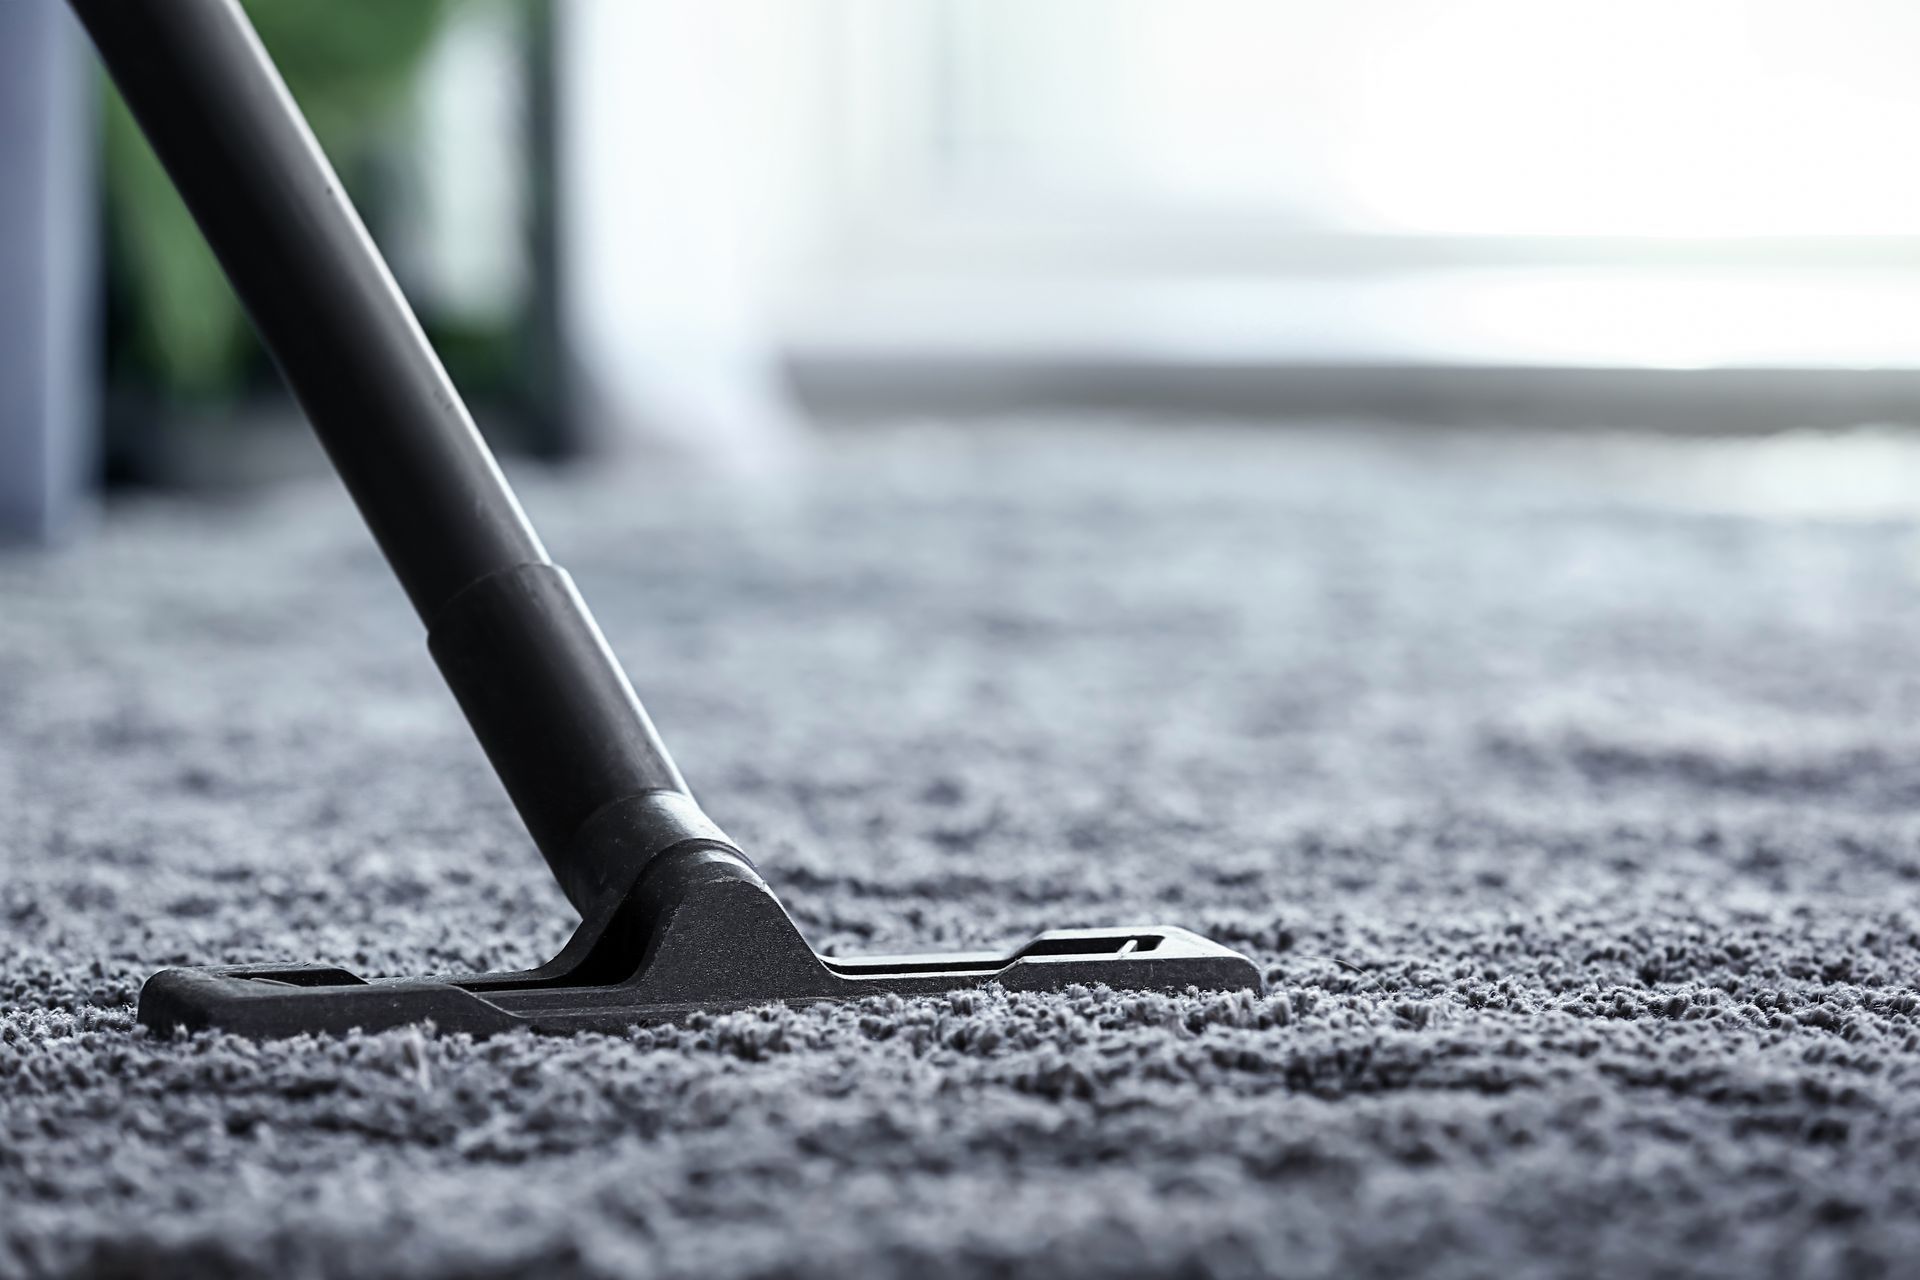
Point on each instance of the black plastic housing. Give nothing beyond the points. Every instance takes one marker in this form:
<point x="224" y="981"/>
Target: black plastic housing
<point x="701" y="932"/>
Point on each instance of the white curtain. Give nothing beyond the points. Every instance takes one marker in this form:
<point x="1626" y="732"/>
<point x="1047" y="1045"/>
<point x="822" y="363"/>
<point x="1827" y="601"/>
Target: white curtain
<point x="693" y="155"/>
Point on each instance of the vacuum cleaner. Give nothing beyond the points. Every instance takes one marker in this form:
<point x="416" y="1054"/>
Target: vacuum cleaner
<point x="674" y="917"/>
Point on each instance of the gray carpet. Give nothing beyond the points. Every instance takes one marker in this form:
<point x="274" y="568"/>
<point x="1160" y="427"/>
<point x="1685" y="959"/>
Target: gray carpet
<point x="1566" y="790"/>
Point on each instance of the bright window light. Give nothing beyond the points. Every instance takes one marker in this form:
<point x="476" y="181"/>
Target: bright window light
<point x="1476" y="117"/>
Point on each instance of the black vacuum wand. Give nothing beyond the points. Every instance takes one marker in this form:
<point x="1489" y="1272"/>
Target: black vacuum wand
<point x="673" y="916"/>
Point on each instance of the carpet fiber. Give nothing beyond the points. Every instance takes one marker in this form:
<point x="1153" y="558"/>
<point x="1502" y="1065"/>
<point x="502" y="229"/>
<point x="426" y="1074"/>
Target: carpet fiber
<point x="1566" y="790"/>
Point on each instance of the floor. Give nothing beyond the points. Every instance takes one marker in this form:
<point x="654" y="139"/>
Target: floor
<point x="1565" y="788"/>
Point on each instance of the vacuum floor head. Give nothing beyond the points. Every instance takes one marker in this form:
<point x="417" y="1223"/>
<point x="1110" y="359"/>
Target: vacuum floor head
<point x="699" y="931"/>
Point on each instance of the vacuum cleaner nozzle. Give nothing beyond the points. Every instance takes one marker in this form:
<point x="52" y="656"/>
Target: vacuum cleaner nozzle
<point x="699" y="931"/>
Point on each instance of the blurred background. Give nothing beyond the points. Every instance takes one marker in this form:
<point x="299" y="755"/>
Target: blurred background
<point x="719" y="228"/>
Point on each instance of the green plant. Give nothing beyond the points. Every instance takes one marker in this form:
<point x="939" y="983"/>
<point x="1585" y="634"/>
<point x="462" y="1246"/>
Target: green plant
<point x="348" y="63"/>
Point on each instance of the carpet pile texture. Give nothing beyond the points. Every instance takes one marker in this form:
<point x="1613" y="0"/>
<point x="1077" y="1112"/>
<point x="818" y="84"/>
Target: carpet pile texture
<point x="1566" y="790"/>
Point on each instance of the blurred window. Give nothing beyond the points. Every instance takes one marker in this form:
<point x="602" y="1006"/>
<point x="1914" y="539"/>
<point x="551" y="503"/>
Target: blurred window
<point x="1494" y="182"/>
<point x="1014" y="195"/>
<point x="1709" y="118"/>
